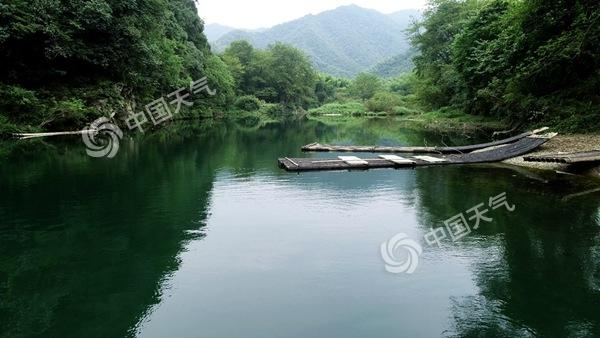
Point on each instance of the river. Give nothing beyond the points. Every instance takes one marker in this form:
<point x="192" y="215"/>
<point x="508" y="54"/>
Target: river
<point x="195" y="232"/>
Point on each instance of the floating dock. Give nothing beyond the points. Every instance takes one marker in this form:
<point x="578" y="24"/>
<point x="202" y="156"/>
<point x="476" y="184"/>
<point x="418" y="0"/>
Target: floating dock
<point x="491" y="154"/>
<point x="567" y="158"/>
<point x="317" y="147"/>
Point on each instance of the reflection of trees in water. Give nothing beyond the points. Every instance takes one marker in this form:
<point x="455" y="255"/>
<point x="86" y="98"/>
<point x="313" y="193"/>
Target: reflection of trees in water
<point x="391" y="131"/>
<point x="542" y="276"/>
<point x="86" y="244"/>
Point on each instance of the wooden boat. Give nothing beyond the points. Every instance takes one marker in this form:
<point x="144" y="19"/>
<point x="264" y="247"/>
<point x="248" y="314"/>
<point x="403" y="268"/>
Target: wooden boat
<point x="495" y="153"/>
<point x="414" y="150"/>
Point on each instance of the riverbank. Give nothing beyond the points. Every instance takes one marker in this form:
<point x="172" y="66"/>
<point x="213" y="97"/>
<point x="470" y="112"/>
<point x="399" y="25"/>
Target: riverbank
<point x="564" y="143"/>
<point x="440" y="121"/>
<point x="455" y="121"/>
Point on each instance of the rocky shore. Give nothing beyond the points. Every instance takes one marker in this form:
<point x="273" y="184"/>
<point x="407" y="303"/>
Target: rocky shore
<point x="567" y="144"/>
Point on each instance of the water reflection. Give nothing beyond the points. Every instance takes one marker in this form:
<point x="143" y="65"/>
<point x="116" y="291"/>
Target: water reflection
<point x="96" y="239"/>
<point x="192" y="228"/>
<point x="541" y="278"/>
<point x="92" y="240"/>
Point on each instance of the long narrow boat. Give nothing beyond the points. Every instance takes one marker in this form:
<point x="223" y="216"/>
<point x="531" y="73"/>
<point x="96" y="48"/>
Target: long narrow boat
<point x="491" y="154"/>
<point x="418" y="150"/>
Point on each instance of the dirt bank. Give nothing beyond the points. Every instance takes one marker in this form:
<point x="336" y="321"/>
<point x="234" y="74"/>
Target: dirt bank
<point x="567" y="143"/>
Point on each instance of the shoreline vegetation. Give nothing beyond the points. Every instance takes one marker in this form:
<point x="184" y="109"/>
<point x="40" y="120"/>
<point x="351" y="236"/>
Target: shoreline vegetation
<point x="521" y="64"/>
<point x="490" y="65"/>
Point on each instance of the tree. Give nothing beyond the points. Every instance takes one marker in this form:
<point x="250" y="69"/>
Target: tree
<point x="525" y="60"/>
<point x="325" y="88"/>
<point x="242" y="50"/>
<point x="279" y="74"/>
<point x="433" y="37"/>
<point x="365" y="86"/>
<point x="290" y="74"/>
<point x="221" y="80"/>
<point x="383" y="102"/>
<point x="75" y="53"/>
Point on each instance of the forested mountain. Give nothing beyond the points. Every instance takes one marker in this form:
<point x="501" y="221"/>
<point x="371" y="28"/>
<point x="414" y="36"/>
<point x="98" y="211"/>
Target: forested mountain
<point x="215" y="31"/>
<point x="340" y="42"/>
<point x="396" y="65"/>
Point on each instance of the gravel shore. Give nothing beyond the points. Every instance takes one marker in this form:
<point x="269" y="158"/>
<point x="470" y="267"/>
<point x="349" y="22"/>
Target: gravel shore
<point x="567" y="143"/>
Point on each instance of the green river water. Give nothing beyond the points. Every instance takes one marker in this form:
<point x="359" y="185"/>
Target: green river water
<point x="195" y="232"/>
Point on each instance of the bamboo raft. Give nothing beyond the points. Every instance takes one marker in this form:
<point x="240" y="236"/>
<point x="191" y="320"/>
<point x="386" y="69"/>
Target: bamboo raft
<point x="491" y="154"/>
<point x="567" y="158"/>
<point x="317" y="147"/>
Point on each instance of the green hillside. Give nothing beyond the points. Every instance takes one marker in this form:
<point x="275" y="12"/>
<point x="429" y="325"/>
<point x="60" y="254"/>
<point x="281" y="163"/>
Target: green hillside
<point x="341" y="42"/>
<point x="396" y="65"/>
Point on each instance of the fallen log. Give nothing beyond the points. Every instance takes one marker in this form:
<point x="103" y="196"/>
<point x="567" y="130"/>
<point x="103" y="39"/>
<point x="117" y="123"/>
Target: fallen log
<point x="24" y="136"/>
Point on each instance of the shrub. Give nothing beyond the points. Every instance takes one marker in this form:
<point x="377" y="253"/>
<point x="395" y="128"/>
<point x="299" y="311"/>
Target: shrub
<point x="383" y="102"/>
<point x="339" y="108"/>
<point x="247" y="103"/>
<point x="275" y="109"/>
<point x="400" y="110"/>
<point x="6" y="127"/>
<point x="19" y="104"/>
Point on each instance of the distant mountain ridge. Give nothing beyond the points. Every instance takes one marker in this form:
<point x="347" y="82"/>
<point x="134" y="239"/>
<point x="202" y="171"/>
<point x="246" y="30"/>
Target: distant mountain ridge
<point x="341" y="42"/>
<point x="215" y="31"/>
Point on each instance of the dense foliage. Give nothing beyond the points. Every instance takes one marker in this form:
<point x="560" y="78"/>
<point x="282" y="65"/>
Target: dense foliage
<point x="65" y="62"/>
<point x="279" y="74"/>
<point x="247" y="103"/>
<point x="526" y="60"/>
<point x="68" y="62"/>
<point x="365" y="86"/>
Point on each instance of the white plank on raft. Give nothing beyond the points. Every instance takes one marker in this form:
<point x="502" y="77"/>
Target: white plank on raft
<point x="431" y="159"/>
<point x="353" y="160"/>
<point x="396" y="159"/>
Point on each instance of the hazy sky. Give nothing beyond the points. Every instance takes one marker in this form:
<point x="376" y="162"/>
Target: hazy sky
<point x="266" y="13"/>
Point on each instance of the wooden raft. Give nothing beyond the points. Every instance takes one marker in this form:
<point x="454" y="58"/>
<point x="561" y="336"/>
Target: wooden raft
<point x="418" y="150"/>
<point x="493" y="154"/>
<point x="568" y="158"/>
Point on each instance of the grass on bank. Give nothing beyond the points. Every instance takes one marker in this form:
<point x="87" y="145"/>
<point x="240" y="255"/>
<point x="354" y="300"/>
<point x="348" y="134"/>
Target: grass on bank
<point x="351" y="107"/>
<point x="445" y="118"/>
